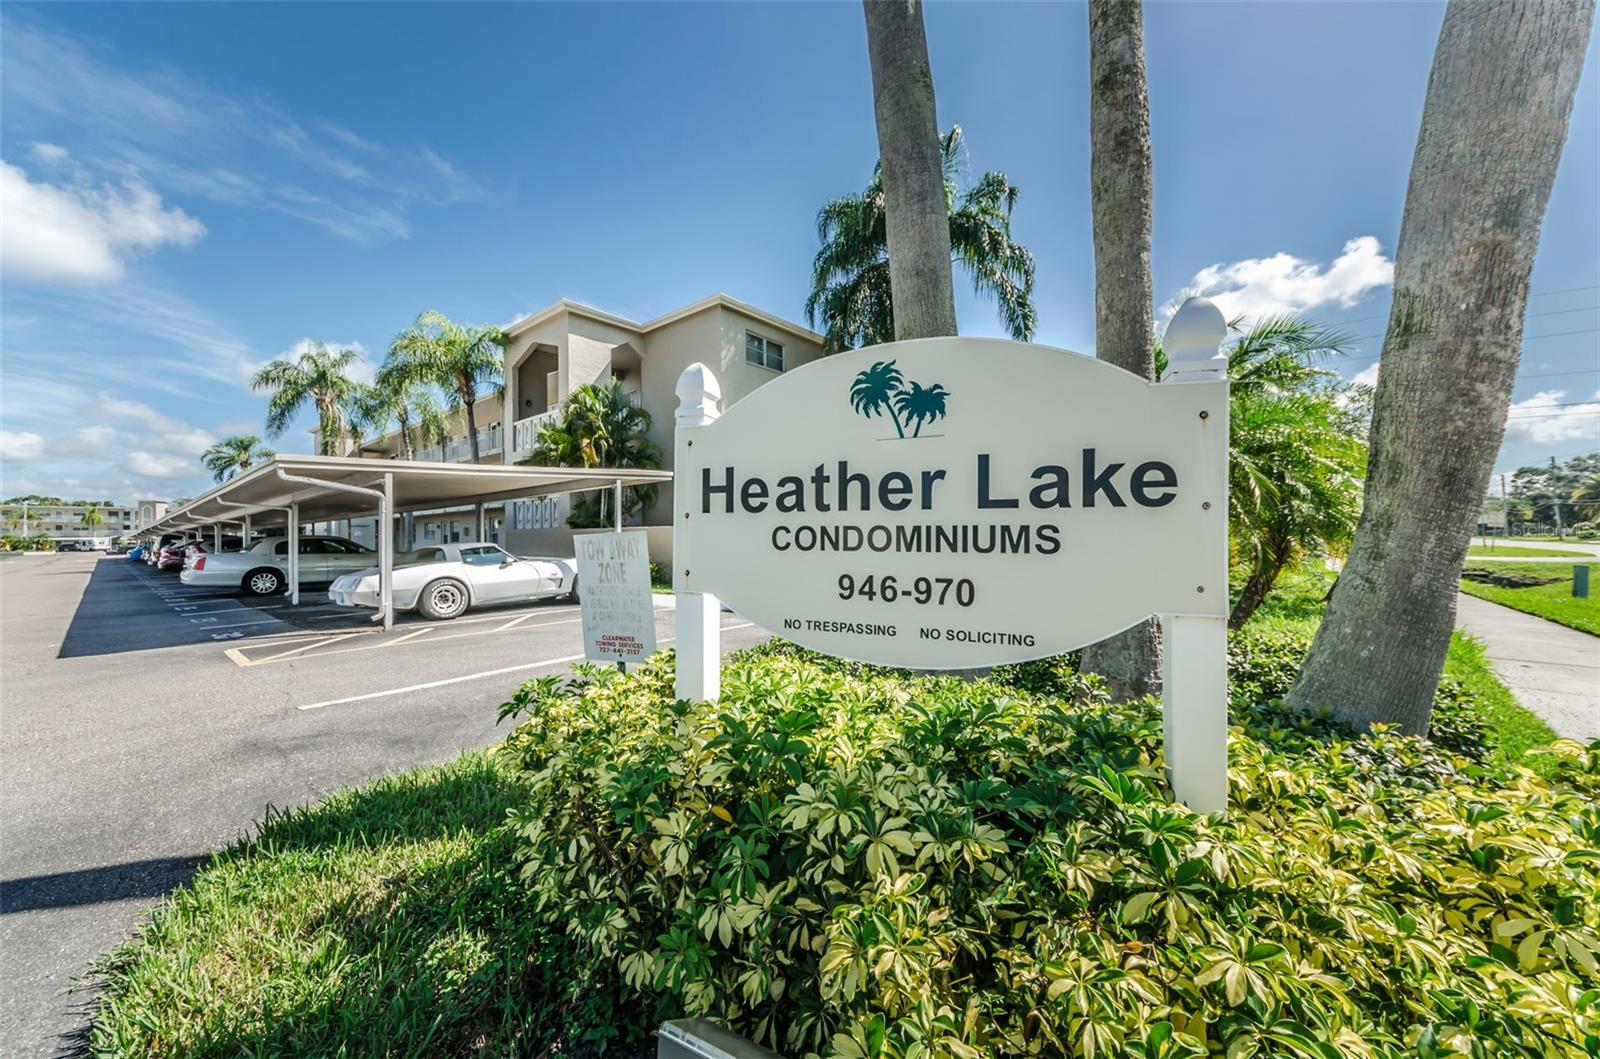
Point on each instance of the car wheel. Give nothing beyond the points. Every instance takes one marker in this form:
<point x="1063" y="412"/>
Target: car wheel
<point x="267" y="582"/>
<point x="443" y="599"/>
<point x="573" y="595"/>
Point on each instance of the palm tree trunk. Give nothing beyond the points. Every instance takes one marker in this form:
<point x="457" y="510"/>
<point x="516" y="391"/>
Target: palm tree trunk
<point x="917" y="217"/>
<point x="403" y="419"/>
<point x="1120" y="198"/>
<point x="1493" y="127"/>
<point x="472" y="425"/>
<point x="1263" y="576"/>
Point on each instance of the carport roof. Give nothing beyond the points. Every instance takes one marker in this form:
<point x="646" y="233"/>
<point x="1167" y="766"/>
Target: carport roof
<point x="262" y="492"/>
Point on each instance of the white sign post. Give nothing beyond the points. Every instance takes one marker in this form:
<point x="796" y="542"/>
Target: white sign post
<point x="952" y="503"/>
<point x="619" y="615"/>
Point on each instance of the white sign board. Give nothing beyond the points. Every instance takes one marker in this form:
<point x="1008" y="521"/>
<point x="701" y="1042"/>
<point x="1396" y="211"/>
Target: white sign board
<point x="957" y="502"/>
<point x="619" y="614"/>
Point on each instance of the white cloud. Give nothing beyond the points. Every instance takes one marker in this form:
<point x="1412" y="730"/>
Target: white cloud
<point x="96" y="438"/>
<point x="152" y="466"/>
<point x="48" y="153"/>
<point x="188" y="137"/>
<point x="1541" y="418"/>
<point x="191" y="442"/>
<point x="168" y="434"/>
<point x="20" y="445"/>
<point x="113" y="407"/>
<point x="1272" y="286"/>
<point x="1367" y="376"/>
<point x="83" y="234"/>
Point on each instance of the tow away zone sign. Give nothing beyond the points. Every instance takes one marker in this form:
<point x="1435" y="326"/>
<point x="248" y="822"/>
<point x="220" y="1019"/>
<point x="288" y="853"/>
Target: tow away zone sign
<point x="619" y="618"/>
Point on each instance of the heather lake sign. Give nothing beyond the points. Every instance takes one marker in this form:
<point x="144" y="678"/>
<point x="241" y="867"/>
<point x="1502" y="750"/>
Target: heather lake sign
<point x="952" y="503"/>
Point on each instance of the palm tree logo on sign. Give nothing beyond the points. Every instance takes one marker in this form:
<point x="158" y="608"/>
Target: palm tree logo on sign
<point x="881" y="389"/>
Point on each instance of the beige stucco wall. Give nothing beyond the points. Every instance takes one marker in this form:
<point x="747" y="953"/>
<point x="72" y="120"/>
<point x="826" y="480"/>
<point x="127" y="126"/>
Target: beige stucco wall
<point x="715" y="337"/>
<point x="551" y="332"/>
<point x="589" y="346"/>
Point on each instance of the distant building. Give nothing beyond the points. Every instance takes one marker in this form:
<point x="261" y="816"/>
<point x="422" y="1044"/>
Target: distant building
<point x="64" y="522"/>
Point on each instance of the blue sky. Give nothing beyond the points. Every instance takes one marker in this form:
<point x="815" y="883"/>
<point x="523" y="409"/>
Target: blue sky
<point x="192" y="190"/>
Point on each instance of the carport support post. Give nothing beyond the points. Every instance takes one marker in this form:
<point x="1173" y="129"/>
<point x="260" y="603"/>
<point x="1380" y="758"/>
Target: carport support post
<point x="477" y="522"/>
<point x="294" y="553"/>
<point x="699" y="626"/>
<point x="216" y="537"/>
<point x="386" y="550"/>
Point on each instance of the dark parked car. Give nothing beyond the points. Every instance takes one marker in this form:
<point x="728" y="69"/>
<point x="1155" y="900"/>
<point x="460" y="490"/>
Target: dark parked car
<point x="72" y="546"/>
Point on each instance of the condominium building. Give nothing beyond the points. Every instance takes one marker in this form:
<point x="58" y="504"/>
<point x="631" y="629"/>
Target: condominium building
<point x="64" y="522"/>
<point x="566" y="345"/>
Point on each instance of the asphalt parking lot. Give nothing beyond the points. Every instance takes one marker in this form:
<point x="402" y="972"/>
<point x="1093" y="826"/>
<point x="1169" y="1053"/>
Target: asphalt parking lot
<point x="146" y="724"/>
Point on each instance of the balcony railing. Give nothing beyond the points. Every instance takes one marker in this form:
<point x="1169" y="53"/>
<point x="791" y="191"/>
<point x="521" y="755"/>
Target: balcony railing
<point x="457" y="449"/>
<point x="524" y="432"/>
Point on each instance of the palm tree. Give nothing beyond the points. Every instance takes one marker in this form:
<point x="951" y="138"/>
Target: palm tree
<point x="1295" y="453"/>
<point x="874" y="390"/>
<point x="462" y="361"/>
<point x="915" y="205"/>
<point x="918" y="405"/>
<point x="319" y="377"/>
<point x="397" y="397"/>
<point x="233" y="455"/>
<point x="1468" y="236"/>
<point x="1120" y="194"/>
<point x="91" y="518"/>
<point x="599" y="426"/>
<point x="850" y="282"/>
<point x="1586" y="496"/>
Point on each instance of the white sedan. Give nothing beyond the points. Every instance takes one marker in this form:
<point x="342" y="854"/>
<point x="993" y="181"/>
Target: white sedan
<point x="263" y="568"/>
<point x="443" y="581"/>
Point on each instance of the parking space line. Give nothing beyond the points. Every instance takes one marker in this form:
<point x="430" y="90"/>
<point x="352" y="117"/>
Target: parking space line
<point x="207" y="627"/>
<point x="241" y="659"/>
<point x="393" y="642"/>
<point x="247" y="656"/>
<point x="476" y="676"/>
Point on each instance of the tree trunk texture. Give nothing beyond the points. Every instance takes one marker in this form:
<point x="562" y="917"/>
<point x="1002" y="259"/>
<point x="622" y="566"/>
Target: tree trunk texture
<point x="1493" y="127"/>
<point x="916" y="214"/>
<point x="407" y="449"/>
<point x="472" y="428"/>
<point x="1256" y="588"/>
<point x="1120" y="198"/>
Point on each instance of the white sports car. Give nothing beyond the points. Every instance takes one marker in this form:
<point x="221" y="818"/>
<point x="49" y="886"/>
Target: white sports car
<point x="443" y="581"/>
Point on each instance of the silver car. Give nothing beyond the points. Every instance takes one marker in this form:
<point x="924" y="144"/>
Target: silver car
<point x="444" y="581"/>
<point x="263" y="568"/>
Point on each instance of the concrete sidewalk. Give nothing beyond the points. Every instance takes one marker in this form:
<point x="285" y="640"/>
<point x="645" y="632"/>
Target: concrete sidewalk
<point x="1551" y="669"/>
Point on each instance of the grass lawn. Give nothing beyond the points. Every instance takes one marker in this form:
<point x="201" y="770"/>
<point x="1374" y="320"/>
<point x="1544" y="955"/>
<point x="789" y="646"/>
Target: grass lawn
<point x="382" y="921"/>
<point x="1296" y="605"/>
<point x="1553" y="602"/>
<point x="1515" y="551"/>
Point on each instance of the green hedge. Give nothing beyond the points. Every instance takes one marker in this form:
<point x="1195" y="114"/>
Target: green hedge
<point x="840" y="860"/>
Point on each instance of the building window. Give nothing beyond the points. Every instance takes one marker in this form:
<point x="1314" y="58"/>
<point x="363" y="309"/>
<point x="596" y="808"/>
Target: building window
<point x="763" y="352"/>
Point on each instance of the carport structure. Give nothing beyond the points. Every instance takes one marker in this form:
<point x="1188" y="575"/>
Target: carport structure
<point x="289" y="491"/>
